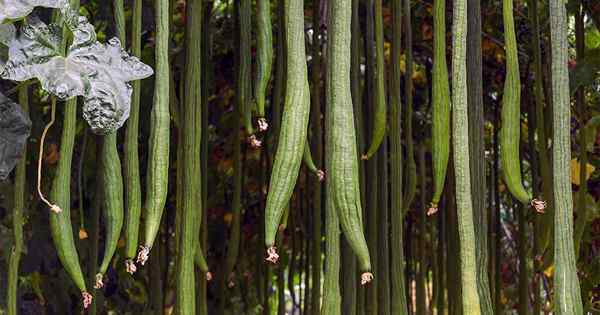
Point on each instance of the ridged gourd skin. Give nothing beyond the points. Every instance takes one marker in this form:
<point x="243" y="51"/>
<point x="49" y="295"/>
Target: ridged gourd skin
<point x="244" y="89"/>
<point x="397" y="283"/>
<point x="566" y="284"/>
<point x="411" y="166"/>
<point x="460" y="140"/>
<point x="341" y="135"/>
<point x="440" y="130"/>
<point x="191" y="194"/>
<point x="131" y="165"/>
<point x="112" y="178"/>
<point x="264" y="53"/>
<point x="157" y="175"/>
<point x="60" y="194"/>
<point x="380" y="113"/>
<point x="294" y="122"/>
<point x="510" y="133"/>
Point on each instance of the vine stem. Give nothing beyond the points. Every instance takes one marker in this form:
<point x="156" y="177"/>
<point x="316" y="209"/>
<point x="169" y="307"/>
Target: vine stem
<point x="53" y="207"/>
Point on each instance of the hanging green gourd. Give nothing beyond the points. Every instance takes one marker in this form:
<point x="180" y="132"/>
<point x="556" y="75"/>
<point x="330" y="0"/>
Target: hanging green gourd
<point x="440" y="132"/>
<point x="510" y="137"/>
<point x="264" y="59"/>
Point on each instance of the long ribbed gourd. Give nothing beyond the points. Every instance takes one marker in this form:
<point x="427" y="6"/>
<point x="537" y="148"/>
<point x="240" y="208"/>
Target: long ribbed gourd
<point x="245" y="69"/>
<point x="264" y="59"/>
<point x="157" y="176"/>
<point x="60" y="222"/>
<point x="397" y="288"/>
<point x="131" y="166"/>
<point x="510" y="133"/>
<point x="191" y="207"/>
<point x="383" y="243"/>
<point x="460" y="129"/>
<point x="411" y="166"/>
<point x="17" y="218"/>
<point x="567" y="299"/>
<point x="380" y="111"/>
<point x="293" y="126"/>
<point x="112" y="179"/>
<point x="440" y="130"/>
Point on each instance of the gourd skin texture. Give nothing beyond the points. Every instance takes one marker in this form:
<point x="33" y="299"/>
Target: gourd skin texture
<point x="131" y="167"/>
<point x="460" y="124"/>
<point x="158" y="157"/>
<point x="112" y="201"/>
<point x="294" y="122"/>
<point x="411" y="166"/>
<point x="440" y="132"/>
<point x="341" y="135"/>
<point x="567" y="291"/>
<point x="511" y="104"/>
<point x="264" y="51"/>
<point x="380" y="113"/>
<point x="191" y="207"/>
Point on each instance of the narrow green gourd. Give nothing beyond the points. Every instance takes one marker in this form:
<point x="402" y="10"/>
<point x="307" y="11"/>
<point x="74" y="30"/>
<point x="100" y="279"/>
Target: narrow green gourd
<point x="191" y="207"/>
<point x="112" y="179"/>
<point x="397" y="287"/>
<point x="567" y="297"/>
<point x="131" y="165"/>
<point x="310" y="163"/>
<point x="411" y="166"/>
<point x="440" y="129"/>
<point x="245" y="69"/>
<point x="341" y="136"/>
<point x="379" y="115"/>
<point x="460" y="137"/>
<point x="264" y="59"/>
<point x="293" y="127"/>
<point x="157" y="176"/>
<point x="383" y="241"/>
<point x="17" y="218"/>
<point x="60" y="194"/>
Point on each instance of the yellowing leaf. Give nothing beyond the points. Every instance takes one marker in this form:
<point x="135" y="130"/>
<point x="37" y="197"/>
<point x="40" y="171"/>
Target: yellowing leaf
<point x="575" y="171"/>
<point x="549" y="271"/>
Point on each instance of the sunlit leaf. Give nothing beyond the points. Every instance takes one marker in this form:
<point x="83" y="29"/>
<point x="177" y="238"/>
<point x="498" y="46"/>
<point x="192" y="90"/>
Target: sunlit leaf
<point x="16" y="9"/>
<point x="15" y="128"/>
<point x="576" y="170"/>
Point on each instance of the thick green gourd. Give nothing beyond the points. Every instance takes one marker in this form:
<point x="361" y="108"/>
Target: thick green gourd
<point x="17" y="218"/>
<point x="510" y="133"/>
<point x="380" y="112"/>
<point x="131" y="166"/>
<point x="112" y="179"/>
<point x="191" y="194"/>
<point x="440" y="129"/>
<point x="411" y="167"/>
<point x="293" y="127"/>
<point x="397" y="287"/>
<point x="460" y="137"/>
<point x="157" y="175"/>
<point x="567" y="299"/>
<point x="341" y="136"/>
<point x="264" y="59"/>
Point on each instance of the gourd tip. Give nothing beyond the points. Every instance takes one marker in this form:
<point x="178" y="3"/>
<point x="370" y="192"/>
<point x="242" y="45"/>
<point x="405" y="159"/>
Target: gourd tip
<point x="321" y="175"/>
<point x="130" y="266"/>
<point x="538" y="205"/>
<point x="209" y="276"/>
<point x="365" y="278"/>
<point x="55" y="208"/>
<point x="99" y="281"/>
<point x="364" y="157"/>
<point x="263" y="125"/>
<point x="433" y="209"/>
<point x="272" y="255"/>
<point x="87" y="299"/>
<point x="143" y="254"/>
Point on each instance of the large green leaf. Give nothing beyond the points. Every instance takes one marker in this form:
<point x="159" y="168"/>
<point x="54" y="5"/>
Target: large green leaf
<point x="16" y="9"/>
<point x="586" y="71"/>
<point x="15" y="128"/>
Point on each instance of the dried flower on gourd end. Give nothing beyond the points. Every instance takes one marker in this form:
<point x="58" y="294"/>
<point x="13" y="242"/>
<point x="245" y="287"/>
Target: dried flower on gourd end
<point x="364" y="157"/>
<point x="83" y="234"/>
<point x="263" y="125"/>
<point x="142" y="256"/>
<point x="433" y="209"/>
<point x="87" y="299"/>
<point x="365" y="278"/>
<point x="254" y="142"/>
<point x="538" y="205"/>
<point x="99" y="281"/>
<point x="55" y="209"/>
<point x="273" y="256"/>
<point x="209" y="276"/>
<point x="130" y="266"/>
<point x="321" y="175"/>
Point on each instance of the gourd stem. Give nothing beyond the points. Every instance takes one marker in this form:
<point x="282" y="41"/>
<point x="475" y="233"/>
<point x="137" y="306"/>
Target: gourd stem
<point x="55" y="208"/>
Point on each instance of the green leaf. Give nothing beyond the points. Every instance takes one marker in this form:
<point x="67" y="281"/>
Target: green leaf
<point x="16" y="9"/>
<point x="586" y="71"/>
